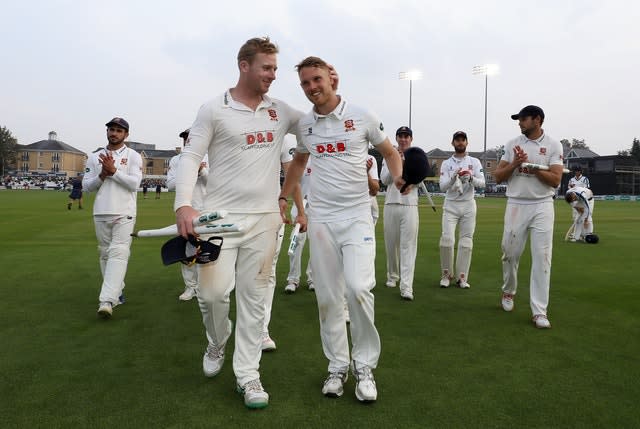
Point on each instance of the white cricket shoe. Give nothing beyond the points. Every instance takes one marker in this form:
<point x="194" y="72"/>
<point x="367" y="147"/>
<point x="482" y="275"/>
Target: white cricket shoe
<point x="541" y="321"/>
<point x="463" y="284"/>
<point x="268" y="344"/>
<point x="188" y="294"/>
<point x="213" y="359"/>
<point x="254" y="394"/>
<point x="390" y="283"/>
<point x="507" y="301"/>
<point x="291" y="287"/>
<point x="333" y="385"/>
<point x="407" y="295"/>
<point x="366" y="390"/>
<point x="105" y="310"/>
<point x="310" y="284"/>
<point x="444" y="281"/>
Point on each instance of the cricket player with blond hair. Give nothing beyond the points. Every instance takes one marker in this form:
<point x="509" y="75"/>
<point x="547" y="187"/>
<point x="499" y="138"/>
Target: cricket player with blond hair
<point x="336" y="136"/>
<point x="242" y="130"/>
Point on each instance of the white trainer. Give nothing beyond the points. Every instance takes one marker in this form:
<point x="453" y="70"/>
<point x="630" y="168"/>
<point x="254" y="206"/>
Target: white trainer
<point x="507" y="301"/>
<point x="444" y="281"/>
<point x="366" y="390"/>
<point x="254" y="394"/>
<point x="105" y="310"/>
<point x="268" y="344"/>
<point x="188" y="294"/>
<point x="310" y="284"/>
<point x="291" y="287"/>
<point x="541" y="321"/>
<point x="213" y="359"/>
<point x="407" y="295"/>
<point x="333" y="385"/>
<point x="463" y="284"/>
<point x="390" y="283"/>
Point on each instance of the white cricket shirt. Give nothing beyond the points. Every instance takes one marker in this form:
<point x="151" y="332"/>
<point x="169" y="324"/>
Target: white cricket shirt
<point x="338" y="145"/>
<point x="200" y="188"/>
<point x="582" y="182"/>
<point x="447" y="177"/>
<point x="117" y="194"/>
<point x="244" y="149"/>
<point x="524" y="187"/>
<point x="393" y="195"/>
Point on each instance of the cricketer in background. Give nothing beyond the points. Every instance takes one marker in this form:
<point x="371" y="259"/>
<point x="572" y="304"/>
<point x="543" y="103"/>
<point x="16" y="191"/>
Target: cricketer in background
<point x="374" y="187"/>
<point x="401" y="223"/>
<point x="268" y="344"/>
<point x="336" y="135"/>
<point x="190" y="272"/>
<point x="460" y="175"/>
<point x="529" y="209"/>
<point x="578" y="179"/>
<point x="115" y="172"/>
<point x="295" y="260"/>
<point x="582" y="204"/>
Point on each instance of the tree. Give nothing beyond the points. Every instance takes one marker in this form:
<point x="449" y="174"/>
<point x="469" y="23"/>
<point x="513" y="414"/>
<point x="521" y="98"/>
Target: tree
<point x="574" y="144"/>
<point x="624" y="152"/>
<point x="578" y="144"/>
<point x="635" y="149"/>
<point x="8" y="149"/>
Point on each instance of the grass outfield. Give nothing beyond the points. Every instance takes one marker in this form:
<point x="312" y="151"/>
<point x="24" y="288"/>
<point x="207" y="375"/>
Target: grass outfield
<point x="451" y="358"/>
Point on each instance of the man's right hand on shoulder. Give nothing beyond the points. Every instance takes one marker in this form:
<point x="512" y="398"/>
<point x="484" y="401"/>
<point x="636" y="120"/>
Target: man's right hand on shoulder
<point x="184" y="220"/>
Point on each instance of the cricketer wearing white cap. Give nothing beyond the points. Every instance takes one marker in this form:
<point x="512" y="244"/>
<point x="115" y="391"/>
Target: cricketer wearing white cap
<point x="190" y="272"/>
<point x="529" y="209"/>
<point x="460" y="175"/>
<point x="115" y="172"/>
<point x="242" y="131"/>
<point x="401" y="223"/>
<point x="336" y="135"/>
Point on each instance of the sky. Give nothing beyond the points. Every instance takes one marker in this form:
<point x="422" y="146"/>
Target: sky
<point x="70" y="66"/>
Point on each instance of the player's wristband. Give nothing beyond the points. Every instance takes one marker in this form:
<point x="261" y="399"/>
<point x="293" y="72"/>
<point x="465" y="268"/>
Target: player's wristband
<point x="283" y="198"/>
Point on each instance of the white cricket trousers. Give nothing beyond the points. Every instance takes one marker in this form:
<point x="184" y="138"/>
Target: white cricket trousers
<point x="343" y="257"/>
<point x="463" y="215"/>
<point x="401" y="243"/>
<point x="114" y="246"/>
<point x="244" y="263"/>
<point x="536" y="220"/>
<point x="190" y="275"/>
<point x="583" y="221"/>
<point x="295" y="262"/>
<point x="271" y="285"/>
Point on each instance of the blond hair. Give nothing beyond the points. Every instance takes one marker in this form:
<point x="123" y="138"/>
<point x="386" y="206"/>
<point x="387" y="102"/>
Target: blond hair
<point x="312" y="62"/>
<point x="257" y="45"/>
